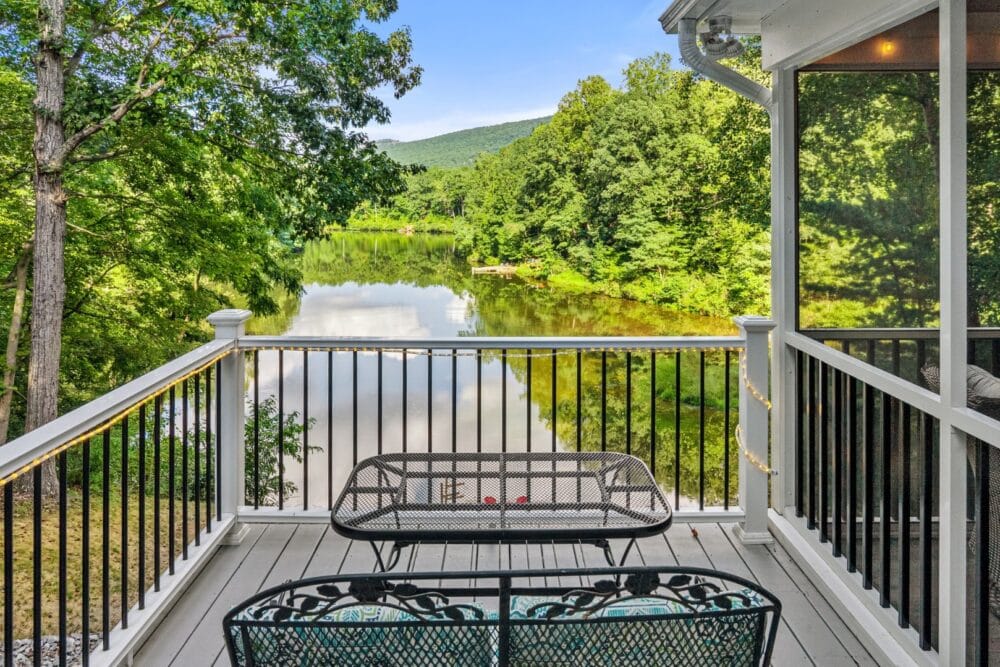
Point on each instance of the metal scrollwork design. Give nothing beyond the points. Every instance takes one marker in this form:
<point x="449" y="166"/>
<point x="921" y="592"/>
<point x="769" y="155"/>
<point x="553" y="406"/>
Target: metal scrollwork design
<point x="695" y="594"/>
<point x="324" y="599"/>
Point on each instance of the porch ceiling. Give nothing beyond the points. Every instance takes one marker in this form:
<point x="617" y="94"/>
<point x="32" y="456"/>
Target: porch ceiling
<point x="746" y="14"/>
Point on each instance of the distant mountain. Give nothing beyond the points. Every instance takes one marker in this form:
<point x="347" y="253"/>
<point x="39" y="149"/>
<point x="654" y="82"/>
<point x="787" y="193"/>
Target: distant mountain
<point x="457" y="149"/>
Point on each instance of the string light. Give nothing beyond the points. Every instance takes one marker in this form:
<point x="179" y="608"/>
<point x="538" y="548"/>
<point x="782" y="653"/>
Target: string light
<point x="756" y="393"/>
<point x="110" y="423"/>
<point x="750" y="456"/>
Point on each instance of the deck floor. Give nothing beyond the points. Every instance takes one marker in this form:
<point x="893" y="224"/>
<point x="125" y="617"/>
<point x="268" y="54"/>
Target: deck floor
<point x="191" y="634"/>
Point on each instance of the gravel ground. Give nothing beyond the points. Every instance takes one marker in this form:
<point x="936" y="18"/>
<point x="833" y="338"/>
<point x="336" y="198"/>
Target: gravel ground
<point x="24" y="650"/>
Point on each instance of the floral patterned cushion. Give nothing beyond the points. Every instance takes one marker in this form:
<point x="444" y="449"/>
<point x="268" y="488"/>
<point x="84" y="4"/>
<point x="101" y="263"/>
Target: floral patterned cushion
<point x="317" y="641"/>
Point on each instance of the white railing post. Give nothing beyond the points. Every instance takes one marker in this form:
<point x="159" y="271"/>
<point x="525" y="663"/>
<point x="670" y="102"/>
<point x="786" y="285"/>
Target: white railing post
<point x="754" y="429"/>
<point x="229" y="325"/>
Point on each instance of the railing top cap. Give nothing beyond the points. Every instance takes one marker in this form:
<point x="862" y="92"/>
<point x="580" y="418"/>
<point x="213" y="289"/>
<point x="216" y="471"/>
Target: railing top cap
<point x="754" y="323"/>
<point x="229" y="316"/>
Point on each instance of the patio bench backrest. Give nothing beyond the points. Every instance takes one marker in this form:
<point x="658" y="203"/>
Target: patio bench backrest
<point x="620" y="616"/>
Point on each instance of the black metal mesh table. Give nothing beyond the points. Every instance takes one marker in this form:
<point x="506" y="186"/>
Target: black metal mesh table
<point x="588" y="497"/>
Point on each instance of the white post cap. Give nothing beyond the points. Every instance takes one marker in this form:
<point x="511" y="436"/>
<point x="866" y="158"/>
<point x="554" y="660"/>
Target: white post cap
<point x="754" y="323"/>
<point x="229" y="323"/>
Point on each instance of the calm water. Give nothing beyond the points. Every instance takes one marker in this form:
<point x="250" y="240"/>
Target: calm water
<point x="392" y="286"/>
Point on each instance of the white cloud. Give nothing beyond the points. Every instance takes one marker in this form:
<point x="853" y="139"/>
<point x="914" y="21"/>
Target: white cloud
<point x="452" y="122"/>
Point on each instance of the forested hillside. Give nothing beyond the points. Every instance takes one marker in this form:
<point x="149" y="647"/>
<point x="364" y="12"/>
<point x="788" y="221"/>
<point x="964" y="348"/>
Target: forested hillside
<point x="657" y="191"/>
<point x="457" y="149"/>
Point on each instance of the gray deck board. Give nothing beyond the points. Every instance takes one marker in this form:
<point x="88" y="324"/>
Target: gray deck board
<point x="191" y="635"/>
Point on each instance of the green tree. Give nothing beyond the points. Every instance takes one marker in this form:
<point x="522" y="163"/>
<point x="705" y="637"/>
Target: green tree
<point x="275" y="87"/>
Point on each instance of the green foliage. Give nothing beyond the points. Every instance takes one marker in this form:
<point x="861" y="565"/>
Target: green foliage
<point x="657" y="192"/>
<point x="266" y="453"/>
<point x="461" y="148"/>
<point x="247" y="142"/>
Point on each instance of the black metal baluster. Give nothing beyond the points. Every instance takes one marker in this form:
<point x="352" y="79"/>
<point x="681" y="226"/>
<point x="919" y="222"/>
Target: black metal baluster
<point x="430" y="402"/>
<point x="8" y="568"/>
<point x="677" y="429"/>
<point x="305" y="430"/>
<point x="628" y="402"/>
<point x="479" y="401"/>
<point x="652" y="412"/>
<point x="84" y="557"/>
<point x="926" y="521"/>
<point x="870" y="354"/>
<point x="479" y="419"/>
<point x="579" y="400"/>
<point x="868" y="477"/>
<point x="218" y="435"/>
<point x="172" y="480"/>
<point x="555" y="410"/>
<point x="527" y="415"/>
<point x="981" y="573"/>
<point x="142" y="507"/>
<point x="503" y="400"/>
<point x="354" y="408"/>
<point x="157" y="467"/>
<point x="36" y="566"/>
<point x="604" y="400"/>
<point x="701" y="430"/>
<point x="813" y="438"/>
<point x="405" y="392"/>
<point x="197" y="458"/>
<point x="281" y="429"/>
<point x="379" y="406"/>
<point x="725" y="432"/>
<point x="846" y="347"/>
<point x="555" y="396"/>
<point x="896" y="363"/>
<point x="256" y="429"/>
<point x="184" y="470"/>
<point x="454" y="402"/>
<point x="885" y="505"/>
<point x="209" y="448"/>
<point x="329" y="423"/>
<point x="852" y="474"/>
<point x="824" y="451"/>
<point x="838" y="459"/>
<point x="61" y="469"/>
<point x="124" y="522"/>
<point x="904" y="517"/>
<point x="579" y="417"/>
<point x="800" y="444"/>
<point x="105" y="537"/>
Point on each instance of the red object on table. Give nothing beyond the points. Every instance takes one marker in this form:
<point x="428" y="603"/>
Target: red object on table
<point x="522" y="499"/>
<point x="490" y="500"/>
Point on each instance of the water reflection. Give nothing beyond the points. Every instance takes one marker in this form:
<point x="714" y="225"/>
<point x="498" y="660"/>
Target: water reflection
<point x="377" y="285"/>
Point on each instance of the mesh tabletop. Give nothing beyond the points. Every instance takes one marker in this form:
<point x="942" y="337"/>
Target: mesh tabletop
<point x="498" y="497"/>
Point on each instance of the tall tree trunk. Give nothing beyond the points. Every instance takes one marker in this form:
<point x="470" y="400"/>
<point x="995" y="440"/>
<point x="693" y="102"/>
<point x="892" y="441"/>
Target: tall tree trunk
<point x="48" y="287"/>
<point x="14" y="339"/>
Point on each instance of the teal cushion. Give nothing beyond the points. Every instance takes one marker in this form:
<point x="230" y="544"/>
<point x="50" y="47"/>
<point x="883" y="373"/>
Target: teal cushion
<point x="404" y="643"/>
<point x="711" y="639"/>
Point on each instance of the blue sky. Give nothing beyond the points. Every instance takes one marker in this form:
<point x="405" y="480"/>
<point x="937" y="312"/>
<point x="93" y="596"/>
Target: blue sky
<point x="492" y="61"/>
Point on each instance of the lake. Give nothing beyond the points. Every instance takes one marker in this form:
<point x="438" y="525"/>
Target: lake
<point x="389" y="285"/>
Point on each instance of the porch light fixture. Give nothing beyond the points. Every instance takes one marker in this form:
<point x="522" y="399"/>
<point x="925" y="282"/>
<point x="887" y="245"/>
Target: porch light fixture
<point x="719" y="41"/>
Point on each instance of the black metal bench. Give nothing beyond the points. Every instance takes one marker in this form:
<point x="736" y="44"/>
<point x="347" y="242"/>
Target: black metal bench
<point x="620" y="616"/>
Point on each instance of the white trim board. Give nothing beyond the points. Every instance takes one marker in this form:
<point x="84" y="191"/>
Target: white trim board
<point x="142" y="622"/>
<point x="875" y="627"/>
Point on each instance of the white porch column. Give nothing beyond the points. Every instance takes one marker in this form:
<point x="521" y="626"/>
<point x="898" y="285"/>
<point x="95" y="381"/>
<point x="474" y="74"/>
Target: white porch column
<point x="953" y="226"/>
<point x="229" y="324"/>
<point x="784" y="300"/>
<point x="754" y="430"/>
